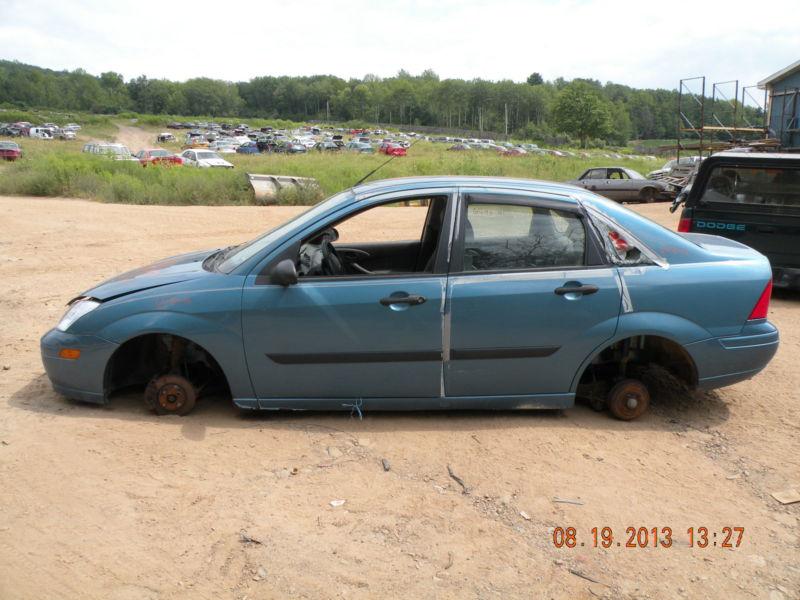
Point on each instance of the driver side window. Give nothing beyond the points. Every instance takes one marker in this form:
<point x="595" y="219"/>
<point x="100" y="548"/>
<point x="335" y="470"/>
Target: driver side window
<point x="395" y="238"/>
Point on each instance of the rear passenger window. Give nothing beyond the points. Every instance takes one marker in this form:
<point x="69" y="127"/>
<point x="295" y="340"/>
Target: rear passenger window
<point x="501" y="237"/>
<point x="749" y="185"/>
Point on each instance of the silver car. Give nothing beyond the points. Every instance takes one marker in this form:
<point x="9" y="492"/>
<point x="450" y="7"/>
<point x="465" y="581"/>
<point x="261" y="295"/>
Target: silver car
<point x="623" y="185"/>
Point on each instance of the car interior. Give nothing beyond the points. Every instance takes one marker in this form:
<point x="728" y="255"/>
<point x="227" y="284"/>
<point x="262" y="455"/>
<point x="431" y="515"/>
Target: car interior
<point x="321" y="256"/>
<point x="509" y="237"/>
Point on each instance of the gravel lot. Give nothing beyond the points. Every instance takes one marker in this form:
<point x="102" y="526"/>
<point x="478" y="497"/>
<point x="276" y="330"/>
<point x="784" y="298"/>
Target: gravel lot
<point x="113" y="502"/>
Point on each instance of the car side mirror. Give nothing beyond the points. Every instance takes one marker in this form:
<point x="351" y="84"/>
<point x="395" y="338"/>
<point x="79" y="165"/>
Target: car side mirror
<point x="679" y="199"/>
<point x="284" y="273"/>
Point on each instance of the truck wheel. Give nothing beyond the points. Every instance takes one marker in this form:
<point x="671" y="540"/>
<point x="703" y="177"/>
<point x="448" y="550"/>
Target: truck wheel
<point x="170" y="395"/>
<point x="647" y="195"/>
<point x="628" y="399"/>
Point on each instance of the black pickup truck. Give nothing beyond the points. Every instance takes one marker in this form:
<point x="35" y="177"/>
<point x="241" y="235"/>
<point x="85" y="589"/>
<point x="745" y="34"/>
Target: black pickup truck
<point x="753" y="198"/>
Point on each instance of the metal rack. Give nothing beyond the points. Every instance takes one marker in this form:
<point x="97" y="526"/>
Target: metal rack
<point x="709" y="124"/>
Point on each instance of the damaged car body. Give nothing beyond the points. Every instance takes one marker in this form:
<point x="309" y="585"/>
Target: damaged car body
<point x="512" y="294"/>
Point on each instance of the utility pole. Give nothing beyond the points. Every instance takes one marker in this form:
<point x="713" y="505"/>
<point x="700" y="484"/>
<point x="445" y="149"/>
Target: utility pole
<point x="327" y="110"/>
<point x="506" y="105"/>
<point x="480" y="119"/>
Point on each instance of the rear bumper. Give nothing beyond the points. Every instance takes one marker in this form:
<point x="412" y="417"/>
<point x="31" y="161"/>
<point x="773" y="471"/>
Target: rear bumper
<point x="728" y="360"/>
<point x="786" y="277"/>
<point x="82" y="378"/>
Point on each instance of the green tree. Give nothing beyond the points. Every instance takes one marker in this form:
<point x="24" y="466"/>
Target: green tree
<point x="211" y="97"/>
<point x="620" y="131"/>
<point x="535" y="79"/>
<point x="582" y="112"/>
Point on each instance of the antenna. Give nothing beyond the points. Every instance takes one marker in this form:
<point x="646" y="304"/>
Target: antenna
<point x="380" y="166"/>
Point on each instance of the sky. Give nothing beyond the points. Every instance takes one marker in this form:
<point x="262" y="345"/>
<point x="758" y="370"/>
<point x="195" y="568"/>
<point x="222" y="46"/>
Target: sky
<point x="639" y="43"/>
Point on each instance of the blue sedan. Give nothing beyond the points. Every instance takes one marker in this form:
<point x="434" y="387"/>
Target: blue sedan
<point x="248" y="148"/>
<point x="511" y="294"/>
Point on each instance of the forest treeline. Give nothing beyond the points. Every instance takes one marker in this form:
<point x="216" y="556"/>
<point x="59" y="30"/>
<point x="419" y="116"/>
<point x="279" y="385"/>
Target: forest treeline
<point x="585" y="109"/>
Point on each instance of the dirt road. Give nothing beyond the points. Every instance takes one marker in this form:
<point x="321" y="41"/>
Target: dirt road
<point x="112" y="502"/>
<point x="135" y="138"/>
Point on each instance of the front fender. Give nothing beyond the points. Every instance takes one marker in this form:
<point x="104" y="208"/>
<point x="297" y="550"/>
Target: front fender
<point x="671" y="327"/>
<point x="222" y="340"/>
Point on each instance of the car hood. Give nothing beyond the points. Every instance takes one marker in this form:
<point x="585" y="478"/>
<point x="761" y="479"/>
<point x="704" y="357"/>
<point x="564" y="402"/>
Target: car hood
<point x="161" y="273"/>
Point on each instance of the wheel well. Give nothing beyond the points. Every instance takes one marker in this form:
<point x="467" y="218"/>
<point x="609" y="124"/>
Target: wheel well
<point x="631" y="357"/>
<point x="140" y="359"/>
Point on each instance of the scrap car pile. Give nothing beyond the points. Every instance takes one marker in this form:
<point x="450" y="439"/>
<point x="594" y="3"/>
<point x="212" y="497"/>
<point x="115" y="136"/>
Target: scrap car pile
<point x="45" y="131"/>
<point x="225" y="138"/>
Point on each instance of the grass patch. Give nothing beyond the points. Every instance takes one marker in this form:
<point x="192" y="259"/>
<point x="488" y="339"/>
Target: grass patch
<point x="57" y="168"/>
<point x="86" y="176"/>
<point x="338" y="171"/>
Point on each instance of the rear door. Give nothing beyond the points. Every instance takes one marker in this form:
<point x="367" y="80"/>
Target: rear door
<point x="595" y="180"/>
<point x="757" y="205"/>
<point x="529" y="298"/>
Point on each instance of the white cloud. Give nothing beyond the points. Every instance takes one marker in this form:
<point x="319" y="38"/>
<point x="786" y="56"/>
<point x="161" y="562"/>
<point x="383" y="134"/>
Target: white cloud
<point x="644" y="44"/>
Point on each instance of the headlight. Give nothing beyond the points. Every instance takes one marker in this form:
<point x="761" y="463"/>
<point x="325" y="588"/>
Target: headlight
<point x="76" y="310"/>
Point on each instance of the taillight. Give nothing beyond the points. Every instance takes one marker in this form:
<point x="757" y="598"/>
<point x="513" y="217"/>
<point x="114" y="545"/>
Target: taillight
<point x="762" y="306"/>
<point x="685" y="225"/>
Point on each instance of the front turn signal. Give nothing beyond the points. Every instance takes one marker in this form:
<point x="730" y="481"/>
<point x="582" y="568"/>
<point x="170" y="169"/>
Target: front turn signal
<point x="69" y="353"/>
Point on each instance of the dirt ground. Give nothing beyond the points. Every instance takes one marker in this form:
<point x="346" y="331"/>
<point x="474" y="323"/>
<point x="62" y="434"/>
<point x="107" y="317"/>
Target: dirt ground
<point x="136" y="138"/>
<point x="115" y="503"/>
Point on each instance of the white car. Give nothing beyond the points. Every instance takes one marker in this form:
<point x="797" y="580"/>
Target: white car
<point x="64" y="134"/>
<point x="114" y="151"/>
<point x="223" y="146"/>
<point x="201" y="157"/>
<point x="305" y="141"/>
<point x="40" y="133"/>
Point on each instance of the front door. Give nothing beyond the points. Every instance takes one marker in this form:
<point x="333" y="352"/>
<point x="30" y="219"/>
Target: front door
<point x="337" y="339"/>
<point x="530" y="300"/>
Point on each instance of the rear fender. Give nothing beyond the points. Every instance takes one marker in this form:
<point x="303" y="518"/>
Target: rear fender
<point x="670" y="327"/>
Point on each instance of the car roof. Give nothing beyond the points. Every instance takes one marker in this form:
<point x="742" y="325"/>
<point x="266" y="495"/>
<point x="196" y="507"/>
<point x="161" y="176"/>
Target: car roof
<point x="405" y="183"/>
<point x="756" y="155"/>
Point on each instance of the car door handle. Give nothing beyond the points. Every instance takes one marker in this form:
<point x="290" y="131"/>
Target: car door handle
<point x="412" y="299"/>
<point x="577" y="289"/>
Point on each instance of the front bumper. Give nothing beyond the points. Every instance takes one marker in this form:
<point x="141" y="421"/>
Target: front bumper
<point x="82" y="378"/>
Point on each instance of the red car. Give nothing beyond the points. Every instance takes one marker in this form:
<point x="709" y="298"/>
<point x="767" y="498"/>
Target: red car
<point x="158" y="156"/>
<point x="10" y="151"/>
<point x="392" y="149"/>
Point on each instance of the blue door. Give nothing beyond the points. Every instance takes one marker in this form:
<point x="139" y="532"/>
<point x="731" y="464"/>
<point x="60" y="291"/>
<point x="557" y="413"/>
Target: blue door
<point x="368" y="326"/>
<point x="335" y="339"/>
<point x="529" y="298"/>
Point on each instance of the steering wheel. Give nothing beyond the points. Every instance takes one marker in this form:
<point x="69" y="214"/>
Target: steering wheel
<point x="351" y="255"/>
<point x="331" y="263"/>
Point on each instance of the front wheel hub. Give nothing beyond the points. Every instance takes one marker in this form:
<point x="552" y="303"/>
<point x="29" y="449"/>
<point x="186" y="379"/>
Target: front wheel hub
<point x="170" y="395"/>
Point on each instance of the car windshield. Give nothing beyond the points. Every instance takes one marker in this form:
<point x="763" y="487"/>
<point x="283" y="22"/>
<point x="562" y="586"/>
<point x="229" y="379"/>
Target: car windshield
<point x="240" y="254"/>
<point x="159" y="153"/>
<point x="206" y="155"/>
<point x="8" y="146"/>
<point x="634" y="174"/>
